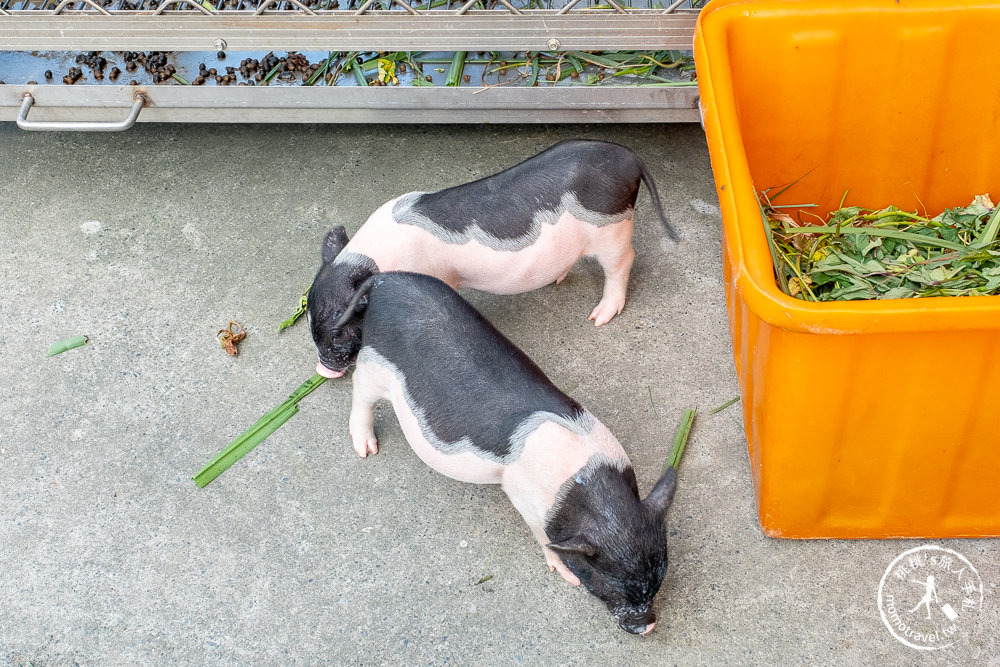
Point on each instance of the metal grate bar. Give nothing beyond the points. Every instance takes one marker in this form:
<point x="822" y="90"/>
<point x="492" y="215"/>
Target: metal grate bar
<point x="361" y="105"/>
<point x="475" y="31"/>
<point x="168" y="3"/>
<point x="298" y="5"/>
<point x="90" y="3"/>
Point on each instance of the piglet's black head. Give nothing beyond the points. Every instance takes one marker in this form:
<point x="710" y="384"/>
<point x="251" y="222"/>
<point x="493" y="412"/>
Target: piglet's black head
<point x="333" y="288"/>
<point x="615" y="543"/>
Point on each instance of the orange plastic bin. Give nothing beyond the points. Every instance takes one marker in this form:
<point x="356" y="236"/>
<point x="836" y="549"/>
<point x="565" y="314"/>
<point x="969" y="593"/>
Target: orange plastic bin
<point x="863" y="418"/>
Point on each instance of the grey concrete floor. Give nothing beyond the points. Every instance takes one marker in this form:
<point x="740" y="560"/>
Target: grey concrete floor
<point x="151" y="240"/>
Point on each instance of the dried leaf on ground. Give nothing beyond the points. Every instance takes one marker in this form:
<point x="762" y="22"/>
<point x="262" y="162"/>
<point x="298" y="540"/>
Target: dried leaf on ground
<point x="230" y="337"/>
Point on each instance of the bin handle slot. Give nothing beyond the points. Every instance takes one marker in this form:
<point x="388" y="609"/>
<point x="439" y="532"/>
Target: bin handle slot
<point x="79" y="126"/>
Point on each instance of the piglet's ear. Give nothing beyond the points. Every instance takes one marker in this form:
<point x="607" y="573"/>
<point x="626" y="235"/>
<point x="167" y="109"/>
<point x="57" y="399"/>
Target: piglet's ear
<point x="662" y="495"/>
<point x="576" y="545"/>
<point x="334" y="242"/>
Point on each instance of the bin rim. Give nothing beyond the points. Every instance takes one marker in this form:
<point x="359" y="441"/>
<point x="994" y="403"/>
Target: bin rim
<point x="753" y="273"/>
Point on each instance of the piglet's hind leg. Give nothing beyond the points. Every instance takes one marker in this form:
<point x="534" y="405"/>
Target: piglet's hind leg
<point x="616" y="260"/>
<point x="362" y="418"/>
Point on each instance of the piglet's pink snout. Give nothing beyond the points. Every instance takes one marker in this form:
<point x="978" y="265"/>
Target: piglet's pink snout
<point x="649" y="628"/>
<point x="326" y="372"/>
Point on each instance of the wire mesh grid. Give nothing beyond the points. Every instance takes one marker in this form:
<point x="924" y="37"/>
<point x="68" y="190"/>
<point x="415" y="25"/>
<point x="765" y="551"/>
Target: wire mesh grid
<point x="346" y="6"/>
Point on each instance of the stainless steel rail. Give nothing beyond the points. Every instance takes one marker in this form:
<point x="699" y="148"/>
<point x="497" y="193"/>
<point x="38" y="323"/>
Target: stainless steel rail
<point x="191" y="104"/>
<point x="193" y="31"/>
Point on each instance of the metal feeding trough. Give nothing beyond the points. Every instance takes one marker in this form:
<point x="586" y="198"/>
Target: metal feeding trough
<point x="105" y="64"/>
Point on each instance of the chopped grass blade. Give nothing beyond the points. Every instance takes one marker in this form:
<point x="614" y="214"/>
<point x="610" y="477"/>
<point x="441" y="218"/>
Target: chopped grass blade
<point x="535" y="70"/>
<point x="785" y="189"/>
<point x="725" y="405"/>
<point x="355" y="66"/>
<point x="321" y="71"/>
<point x="457" y="68"/>
<point x="919" y="239"/>
<point x="257" y="433"/>
<point x="418" y="71"/>
<point x="989" y="234"/>
<point x="372" y="65"/>
<point x="680" y="440"/>
<point x="298" y="311"/>
<point x="274" y="70"/>
<point x="603" y="61"/>
<point x="779" y="272"/>
<point x="63" y="345"/>
<point x="240" y="447"/>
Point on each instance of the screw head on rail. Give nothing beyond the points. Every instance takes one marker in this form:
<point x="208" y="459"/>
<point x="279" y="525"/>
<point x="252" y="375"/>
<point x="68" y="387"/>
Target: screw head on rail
<point x="220" y="44"/>
<point x="553" y="44"/>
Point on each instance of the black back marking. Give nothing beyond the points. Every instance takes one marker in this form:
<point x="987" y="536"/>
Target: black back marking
<point x="602" y="180"/>
<point x="469" y="381"/>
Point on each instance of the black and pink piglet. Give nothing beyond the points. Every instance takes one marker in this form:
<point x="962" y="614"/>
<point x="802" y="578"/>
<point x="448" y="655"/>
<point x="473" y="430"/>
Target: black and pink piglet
<point x="475" y="408"/>
<point x="512" y="232"/>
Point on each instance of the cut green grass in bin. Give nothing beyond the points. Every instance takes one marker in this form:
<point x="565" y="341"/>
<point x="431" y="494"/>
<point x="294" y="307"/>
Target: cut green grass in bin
<point x="257" y="433"/>
<point x="859" y="253"/>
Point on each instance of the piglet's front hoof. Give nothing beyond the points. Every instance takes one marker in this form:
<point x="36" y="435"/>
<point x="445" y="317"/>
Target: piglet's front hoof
<point x="366" y="446"/>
